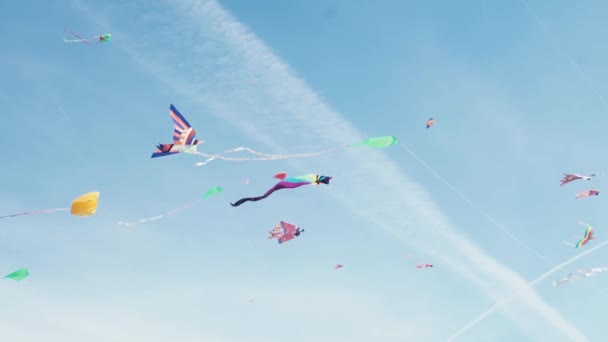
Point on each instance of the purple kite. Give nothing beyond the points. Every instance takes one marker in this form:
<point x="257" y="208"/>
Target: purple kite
<point x="289" y="183"/>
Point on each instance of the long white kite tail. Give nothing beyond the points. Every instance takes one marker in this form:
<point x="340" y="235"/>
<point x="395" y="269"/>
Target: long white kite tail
<point x="260" y="155"/>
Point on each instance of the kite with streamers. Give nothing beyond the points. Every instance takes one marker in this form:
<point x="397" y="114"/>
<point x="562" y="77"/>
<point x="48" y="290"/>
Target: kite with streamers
<point x="429" y="123"/>
<point x="288" y="183"/>
<point x="284" y="231"/>
<point x="183" y="137"/>
<point x="424" y="265"/>
<point x="587" y="193"/>
<point x="582" y="273"/>
<point x="586" y="238"/>
<point x="85" y="205"/>
<point x="210" y="192"/>
<point x="103" y="38"/>
<point x="375" y="142"/>
<point x="18" y="275"/>
<point x="571" y="177"/>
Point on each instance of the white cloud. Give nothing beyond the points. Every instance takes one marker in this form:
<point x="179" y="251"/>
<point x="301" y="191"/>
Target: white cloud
<point x="241" y="80"/>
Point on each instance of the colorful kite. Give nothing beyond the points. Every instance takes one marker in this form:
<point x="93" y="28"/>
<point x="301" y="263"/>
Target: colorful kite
<point x="375" y="142"/>
<point x="582" y="273"/>
<point x="91" y="41"/>
<point x="284" y="231"/>
<point x="429" y="123"/>
<point x="587" y="193"/>
<point x="289" y="183"/>
<point x="183" y="137"/>
<point x="18" y="275"/>
<point x="338" y="266"/>
<point x="210" y="192"/>
<point x="586" y="238"/>
<point x="423" y="265"/>
<point x="280" y="175"/>
<point x="85" y="205"/>
<point x="571" y="177"/>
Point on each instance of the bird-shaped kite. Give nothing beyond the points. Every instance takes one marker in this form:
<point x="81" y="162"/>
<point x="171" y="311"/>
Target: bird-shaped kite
<point x="183" y="137"/>
<point x="288" y="183"/>
<point x="571" y="177"/>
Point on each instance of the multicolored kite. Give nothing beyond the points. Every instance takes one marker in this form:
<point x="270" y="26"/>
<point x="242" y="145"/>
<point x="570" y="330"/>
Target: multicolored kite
<point x="183" y="137"/>
<point x="571" y="177"/>
<point x="210" y="192"/>
<point x="289" y="183"/>
<point x="18" y="275"/>
<point x="586" y="238"/>
<point x="284" y="231"/>
<point x="582" y="273"/>
<point x="587" y="193"/>
<point x="429" y="123"/>
<point x="85" y="205"/>
<point x="91" y="41"/>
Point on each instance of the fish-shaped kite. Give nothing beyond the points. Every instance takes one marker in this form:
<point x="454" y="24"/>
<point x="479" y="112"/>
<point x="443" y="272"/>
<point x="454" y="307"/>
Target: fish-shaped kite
<point x="103" y="38"/>
<point x="284" y="231"/>
<point x="85" y="205"/>
<point x="429" y="123"/>
<point x="571" y="177"/>
<point x="288" y="183"/>
<point x="582" y="273"/>
<point x="587" y="193"/>
<point x="183" y="137"/>
<point x="18" y="275"/>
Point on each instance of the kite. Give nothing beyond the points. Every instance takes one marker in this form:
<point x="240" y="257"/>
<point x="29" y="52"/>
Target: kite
<point x="338" y="266"/>
<point x="582" y="273"/>
<point x="375" y="142"/>
<point x="587" y="193"/>
<point x="245" y="181"/>
<point x="210" y="192"/>
<point x="423" y="265"/>
<point x="284" y="231"/>
<point x="18" y="275"/>
<point x="280" y="175"/>
<point x="288" y="183"/>
<point x="85" y="205"/>
<point x="429" y="123"/>
<point x="183" y="137"/>
<point x="586" y="238"/>
<point x="91" y="41"/>
<point x="571" y="177"/>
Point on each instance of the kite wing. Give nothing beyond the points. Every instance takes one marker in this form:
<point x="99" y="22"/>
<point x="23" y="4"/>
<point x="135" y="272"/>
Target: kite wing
<point x="183" y="134"/>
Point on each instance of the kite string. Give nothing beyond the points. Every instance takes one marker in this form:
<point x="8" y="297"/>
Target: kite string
<point x="36" y="212"/>
<point x="81" y="39"/>
<point x="261" y="155"/>
<point x="488" y="217"/>
<point x="128" y="224"/>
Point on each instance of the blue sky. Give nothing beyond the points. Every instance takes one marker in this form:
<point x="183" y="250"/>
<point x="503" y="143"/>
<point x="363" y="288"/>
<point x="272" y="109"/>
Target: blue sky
<point x="515" y="87"/>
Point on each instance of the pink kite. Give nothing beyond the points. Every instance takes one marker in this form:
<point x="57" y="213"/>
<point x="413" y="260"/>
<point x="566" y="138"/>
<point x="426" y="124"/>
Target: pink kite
<point x="280" y="175"/>
<point x="571" y="177"/>
<point x="587" y="193"/>
<point x="338" y="266"/>
<point x="424" y="265"/>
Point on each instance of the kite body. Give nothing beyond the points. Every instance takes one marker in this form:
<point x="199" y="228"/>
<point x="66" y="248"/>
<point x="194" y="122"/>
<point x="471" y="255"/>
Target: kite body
<point x="424" y="265"/>
<point x="288" y="183"/>
<point x="284" y="231"/>
<point x="338" y="266"/>
<point x="587" y="193"/>
<point x="571" y="177"/>
<point x="183" y="137"/>
<point x="18" y="275"/>
<point x="85" y="205"/>
<point x="429" y="123"/>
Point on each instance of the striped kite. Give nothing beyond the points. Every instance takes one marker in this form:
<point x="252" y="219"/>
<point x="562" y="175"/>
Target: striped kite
<point x="288" y="183"/>
<point x="183" y="137"/>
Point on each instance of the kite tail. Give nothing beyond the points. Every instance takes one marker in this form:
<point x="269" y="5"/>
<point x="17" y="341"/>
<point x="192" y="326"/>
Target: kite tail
<point x="128" y="224"/>
<point x="80" y="39"/>
<point x="260" y="155"/>
<point x="36" y="212"/>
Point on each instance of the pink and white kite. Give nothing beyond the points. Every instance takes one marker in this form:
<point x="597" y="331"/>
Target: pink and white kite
<point x="571" y="177"/>
<point x="587" y="193"/>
